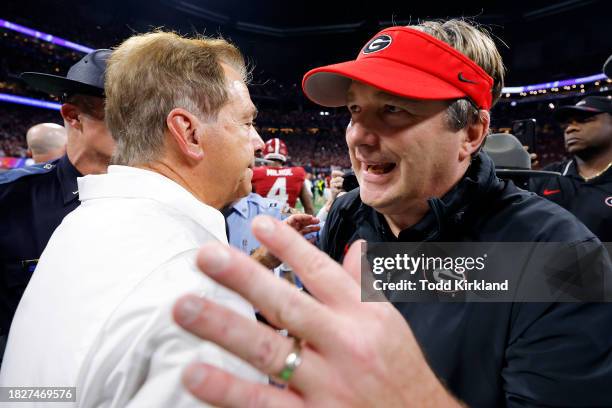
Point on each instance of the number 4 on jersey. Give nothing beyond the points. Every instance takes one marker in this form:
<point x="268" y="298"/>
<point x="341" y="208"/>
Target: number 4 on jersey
<point x="278" y="191"/>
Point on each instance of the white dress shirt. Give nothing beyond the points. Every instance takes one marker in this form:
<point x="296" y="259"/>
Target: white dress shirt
<point x="97" y="313"/>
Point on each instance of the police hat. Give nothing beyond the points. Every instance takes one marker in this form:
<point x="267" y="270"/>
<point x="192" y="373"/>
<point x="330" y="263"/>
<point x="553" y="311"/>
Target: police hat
<point x="85" y="77"/>
<point x="591" y="105"/>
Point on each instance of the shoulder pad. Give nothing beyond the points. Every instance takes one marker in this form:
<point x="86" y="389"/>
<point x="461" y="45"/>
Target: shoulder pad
<point x="16" y="174"/>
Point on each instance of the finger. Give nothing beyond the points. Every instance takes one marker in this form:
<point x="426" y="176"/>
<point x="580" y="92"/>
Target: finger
<point x="303" y="218"/>
<point x="221" y="389"/>
<point x="299" y="220"/>
<point x="324" y="278"/>
<point x="280" y="302"/>
<point x="352" y="260"/>
<point x="308" y="230"/>
<point x="257" y="344"/>
<point x="308" y="225"/>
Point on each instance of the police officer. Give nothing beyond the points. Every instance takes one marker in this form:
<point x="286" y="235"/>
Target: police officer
<point x="35" y="199"/>
<point x="240" y="214"/>
<point x="585" y="187"/>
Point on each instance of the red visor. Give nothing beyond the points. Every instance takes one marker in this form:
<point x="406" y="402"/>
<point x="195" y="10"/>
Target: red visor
<point x="405" y="62"/>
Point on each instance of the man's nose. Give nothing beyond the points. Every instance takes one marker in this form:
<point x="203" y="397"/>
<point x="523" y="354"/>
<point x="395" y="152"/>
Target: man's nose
<point x="359" y="134"/>
<point x="257" y="141"/>
<point x="572" y="127"/>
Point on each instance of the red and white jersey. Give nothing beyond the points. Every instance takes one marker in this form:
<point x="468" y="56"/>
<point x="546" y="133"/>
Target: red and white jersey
<point x="282" y="184"/>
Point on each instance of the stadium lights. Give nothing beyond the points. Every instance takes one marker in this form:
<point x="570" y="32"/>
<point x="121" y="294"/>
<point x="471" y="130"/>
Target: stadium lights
<point x="21" y="100"/>
<point x="44" y="36"/>
<point x="507" y="90"/>
<point x="566" y="84"/>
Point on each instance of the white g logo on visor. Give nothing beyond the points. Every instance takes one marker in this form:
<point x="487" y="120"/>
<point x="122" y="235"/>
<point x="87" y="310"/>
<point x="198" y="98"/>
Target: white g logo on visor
<point x="377" y="44"/>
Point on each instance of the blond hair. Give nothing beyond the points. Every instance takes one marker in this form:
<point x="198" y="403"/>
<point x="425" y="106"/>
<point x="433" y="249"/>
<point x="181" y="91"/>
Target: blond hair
<point x="150" y="74"/>
<point x="475" y="43"/>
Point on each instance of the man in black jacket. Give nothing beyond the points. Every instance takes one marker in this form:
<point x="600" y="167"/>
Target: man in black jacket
<point x="419" y="99"/>
<point x="422" y="178"/>
<point x="585" y="187"/>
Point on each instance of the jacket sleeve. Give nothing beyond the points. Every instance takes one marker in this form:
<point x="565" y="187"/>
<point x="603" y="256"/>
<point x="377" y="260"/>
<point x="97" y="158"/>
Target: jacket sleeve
<point x="339" y="226"/>
<point x="327" y="238"/>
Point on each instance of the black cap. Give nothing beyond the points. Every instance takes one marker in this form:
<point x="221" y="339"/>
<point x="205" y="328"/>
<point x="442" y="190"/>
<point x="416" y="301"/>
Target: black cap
<point x="590" y="105"/>
<point x="607" y="68"/>
<point x="85" y="77"/>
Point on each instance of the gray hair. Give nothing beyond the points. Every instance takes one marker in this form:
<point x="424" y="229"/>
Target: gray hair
<point x="150" y="74"/>
<point x="476" y="43"/>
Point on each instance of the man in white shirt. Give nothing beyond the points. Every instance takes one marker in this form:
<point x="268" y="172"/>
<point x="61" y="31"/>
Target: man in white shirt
<point x="96" y="314"/>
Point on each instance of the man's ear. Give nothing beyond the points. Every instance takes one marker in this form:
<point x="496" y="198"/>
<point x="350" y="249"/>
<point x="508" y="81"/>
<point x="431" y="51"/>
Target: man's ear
<point x="71" y="113"/>
<point x="183" y="126"/>
<point x="474" y="135"/>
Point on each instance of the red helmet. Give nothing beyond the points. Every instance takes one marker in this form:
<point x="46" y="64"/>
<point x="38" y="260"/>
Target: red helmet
<point x="275" y="149"/>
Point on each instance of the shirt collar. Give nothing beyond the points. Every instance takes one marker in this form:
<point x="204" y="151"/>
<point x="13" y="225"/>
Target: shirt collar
<point x="132" y="182"/>
<point x="242" y="207"/>
<point x="571" y="170"/>
<point x="67" y="175"/>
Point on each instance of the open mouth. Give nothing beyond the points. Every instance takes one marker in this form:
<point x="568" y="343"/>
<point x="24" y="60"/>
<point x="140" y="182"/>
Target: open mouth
<point x="379" y="168"/>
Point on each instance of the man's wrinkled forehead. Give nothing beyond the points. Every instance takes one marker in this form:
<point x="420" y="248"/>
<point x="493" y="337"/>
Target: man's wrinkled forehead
<point x="239" y="96"/>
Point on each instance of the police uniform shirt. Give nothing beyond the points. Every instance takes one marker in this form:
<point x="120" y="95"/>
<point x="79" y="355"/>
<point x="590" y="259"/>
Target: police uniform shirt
<point x="241" y="214"/>
<point x="33" y="202"/>
<point x="590" y="201"/>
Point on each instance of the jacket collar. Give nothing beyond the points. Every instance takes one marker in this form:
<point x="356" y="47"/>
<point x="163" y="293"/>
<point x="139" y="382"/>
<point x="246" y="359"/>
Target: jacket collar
<point x="132" y="182"/>
<point x="570" y="169"/>
<point x="452" y="211"/>
<point x="67" y="175"/>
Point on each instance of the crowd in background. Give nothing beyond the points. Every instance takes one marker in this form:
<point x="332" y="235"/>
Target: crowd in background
<point x="314" y="137"/>
<point x="15" y="120"/>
